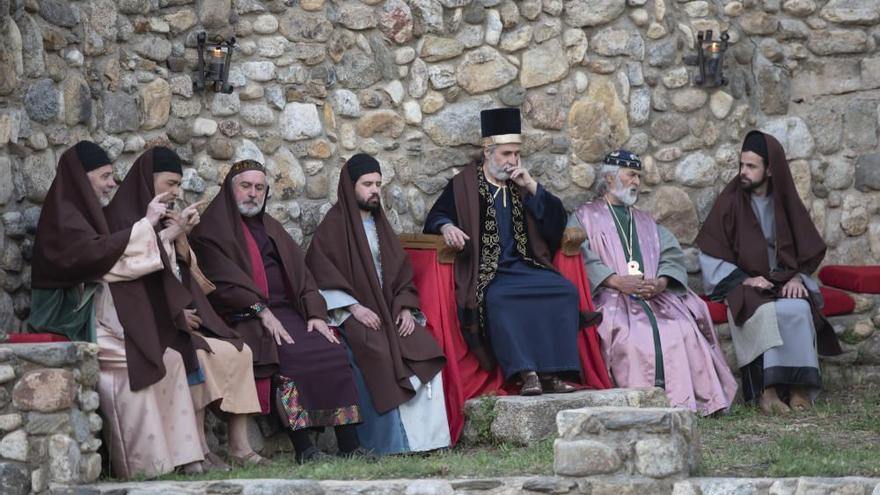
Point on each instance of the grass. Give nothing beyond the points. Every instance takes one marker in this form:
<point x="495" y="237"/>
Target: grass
<point x="471" y="462"/>
<point x="839" y="437"/>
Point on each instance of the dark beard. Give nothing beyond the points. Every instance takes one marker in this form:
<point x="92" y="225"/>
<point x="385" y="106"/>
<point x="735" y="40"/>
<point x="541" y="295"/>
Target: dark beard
<point x="749" y="186"/>
<point x="366" y="206"/>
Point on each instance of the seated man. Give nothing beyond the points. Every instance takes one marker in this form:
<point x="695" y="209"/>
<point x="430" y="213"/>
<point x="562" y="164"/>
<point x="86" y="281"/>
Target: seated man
<point x="94" y="283"/>
<point x="656" y="331"/>
<point x="263" y="286"/>
<point x="759" y="248"/>
<point x="227" y="365"/>
<point x="512" y="304"/>
<point x="367" y="280"/>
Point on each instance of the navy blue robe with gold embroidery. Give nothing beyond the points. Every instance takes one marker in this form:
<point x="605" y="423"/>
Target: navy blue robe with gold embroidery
<point x="531" y="312"/>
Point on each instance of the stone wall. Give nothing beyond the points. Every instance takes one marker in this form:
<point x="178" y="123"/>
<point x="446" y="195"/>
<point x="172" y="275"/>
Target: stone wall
<point x="49" y="425"/>
<point x="318" y="80"/>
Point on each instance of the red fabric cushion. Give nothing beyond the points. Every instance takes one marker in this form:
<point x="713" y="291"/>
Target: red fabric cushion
<point x="36" y="338"/>
<point x="854" y="278"/>
<point x="717" y="310"/>
<point x="837" y="302"/>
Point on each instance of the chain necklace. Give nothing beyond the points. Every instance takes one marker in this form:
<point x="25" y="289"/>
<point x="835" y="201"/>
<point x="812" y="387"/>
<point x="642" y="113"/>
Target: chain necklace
<point x="633" y="265"/>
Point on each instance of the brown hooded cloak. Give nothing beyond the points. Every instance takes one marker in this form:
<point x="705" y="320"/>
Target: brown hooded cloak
<point x="732" y="233"/>
<point x="339" y="256"/>
<point x="151" y="308"/>
<point x="74" y="244"/>
<point x="223" y="255"/>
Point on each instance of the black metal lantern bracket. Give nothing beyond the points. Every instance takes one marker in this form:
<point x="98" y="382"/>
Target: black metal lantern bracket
<point x="213" y="66"/>
<point x="710" y="59"/>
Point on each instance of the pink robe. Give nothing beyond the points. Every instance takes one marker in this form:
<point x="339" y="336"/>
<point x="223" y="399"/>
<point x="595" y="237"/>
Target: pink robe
<point x="696" y="374"/>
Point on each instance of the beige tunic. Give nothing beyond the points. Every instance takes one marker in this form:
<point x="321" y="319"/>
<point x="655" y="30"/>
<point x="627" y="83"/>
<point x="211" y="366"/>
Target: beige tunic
<point x="150" y="431"/>
<point x="229" y="373"/>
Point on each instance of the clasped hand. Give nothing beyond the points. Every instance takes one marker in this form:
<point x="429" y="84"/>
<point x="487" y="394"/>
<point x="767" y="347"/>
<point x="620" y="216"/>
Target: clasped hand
<point x="638" y="285"/>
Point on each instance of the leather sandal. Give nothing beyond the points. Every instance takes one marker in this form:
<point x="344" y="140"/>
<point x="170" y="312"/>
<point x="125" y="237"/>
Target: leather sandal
<point x="213" y="462"/>
<point x="250" y="459"/>
<point x="554" y="385"/>
<point x="531" y="385"/>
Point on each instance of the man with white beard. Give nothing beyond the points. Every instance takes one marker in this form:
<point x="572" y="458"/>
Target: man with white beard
<point x="655" y="331"/>
<point x="513" y="306"/>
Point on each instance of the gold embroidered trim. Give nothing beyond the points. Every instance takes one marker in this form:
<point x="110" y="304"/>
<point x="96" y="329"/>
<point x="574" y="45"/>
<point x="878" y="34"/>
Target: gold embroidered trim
<point x="490" y="240"/>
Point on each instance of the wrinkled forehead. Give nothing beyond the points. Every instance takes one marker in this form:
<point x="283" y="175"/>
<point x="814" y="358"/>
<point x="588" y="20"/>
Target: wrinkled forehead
<point x="251" y="177"/>
<point x="507" y="148"/>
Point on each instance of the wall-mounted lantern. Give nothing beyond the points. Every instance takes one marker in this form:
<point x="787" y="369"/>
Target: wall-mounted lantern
<point x="214" y="60"/>
<point x="710" y="59"/>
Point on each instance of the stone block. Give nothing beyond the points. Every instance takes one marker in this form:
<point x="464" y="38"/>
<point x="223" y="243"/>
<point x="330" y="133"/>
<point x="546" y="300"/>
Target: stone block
<point x="46" y="424"/>
<point x="524" y="420"/>
<point x="14" y="446"/>
<point x="14" y="478"/>
<point x="658" y="458"/>
<point x="64" y="459"/>
<point x="584" y="458"/>
<point x="45" y="390"/>
<point x="652" y="442"/>
<point x="7" y="373"/>
<point x="9" y="422"/>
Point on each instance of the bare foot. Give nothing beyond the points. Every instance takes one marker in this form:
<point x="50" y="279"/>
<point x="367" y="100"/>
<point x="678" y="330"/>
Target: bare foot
<point x="800" y="401"/>
<point x="770" y="403"/>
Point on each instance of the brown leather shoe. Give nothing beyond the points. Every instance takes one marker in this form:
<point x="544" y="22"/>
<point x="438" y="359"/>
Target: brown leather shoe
<point x="554" y="385"/>
<point x="531" y="384"/>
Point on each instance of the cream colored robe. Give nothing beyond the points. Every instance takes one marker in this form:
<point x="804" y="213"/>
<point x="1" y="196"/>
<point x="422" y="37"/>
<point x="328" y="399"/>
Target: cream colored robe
<point x="229" y="373"/>
<point x="150" y="431"/>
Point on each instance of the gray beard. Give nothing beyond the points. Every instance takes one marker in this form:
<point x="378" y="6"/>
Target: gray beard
<point x="626" y="195"/>
<point x="249" y="211"/>
<point x="104" y="201"/>
<point x="497" y="171"/>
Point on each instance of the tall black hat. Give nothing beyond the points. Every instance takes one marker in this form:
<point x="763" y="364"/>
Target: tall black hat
<point x="501" y="126"/>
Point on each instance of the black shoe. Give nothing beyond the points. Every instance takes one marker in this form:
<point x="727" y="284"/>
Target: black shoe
<point x="358" y="452"/>
<point x="311" y="454"/>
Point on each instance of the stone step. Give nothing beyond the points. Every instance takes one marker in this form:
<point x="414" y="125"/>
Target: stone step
<point x="551" y="485"/>
<point x="525" y="420"/>
<point x="655" y="442"/>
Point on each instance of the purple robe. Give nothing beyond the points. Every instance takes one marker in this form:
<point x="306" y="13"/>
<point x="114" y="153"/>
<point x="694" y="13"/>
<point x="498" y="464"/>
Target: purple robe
<point x="696" y="374"/>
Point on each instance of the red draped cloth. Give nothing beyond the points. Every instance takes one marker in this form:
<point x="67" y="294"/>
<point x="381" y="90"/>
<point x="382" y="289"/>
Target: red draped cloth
<point x="463" y="378"/>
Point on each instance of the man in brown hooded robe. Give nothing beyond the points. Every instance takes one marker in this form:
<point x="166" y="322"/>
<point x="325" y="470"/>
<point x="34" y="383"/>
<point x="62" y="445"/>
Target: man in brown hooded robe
<point x="81" y="258"/>
<point x="227" y="366"/>
<point x="759" y="248"/>
<point x="265" y="290"/>
<point x="367" y="280"/>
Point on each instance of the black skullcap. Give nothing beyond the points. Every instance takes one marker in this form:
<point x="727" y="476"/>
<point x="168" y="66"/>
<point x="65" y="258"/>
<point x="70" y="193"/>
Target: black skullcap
<point x="90" y="155"/>
<point x="166" y="160"/>
<point x="243" y="166"/>
<point x="624" y="158"/>
<point x="756" y="143"/>
<point x="362" y="164"/>
<point x="500" y="122"/>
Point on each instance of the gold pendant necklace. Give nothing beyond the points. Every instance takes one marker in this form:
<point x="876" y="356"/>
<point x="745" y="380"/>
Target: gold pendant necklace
<point x="632" y="266"/>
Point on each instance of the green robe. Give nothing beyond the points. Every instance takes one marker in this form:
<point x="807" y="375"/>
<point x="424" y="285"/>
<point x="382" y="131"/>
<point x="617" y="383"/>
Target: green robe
<point x="67" y="312"/>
